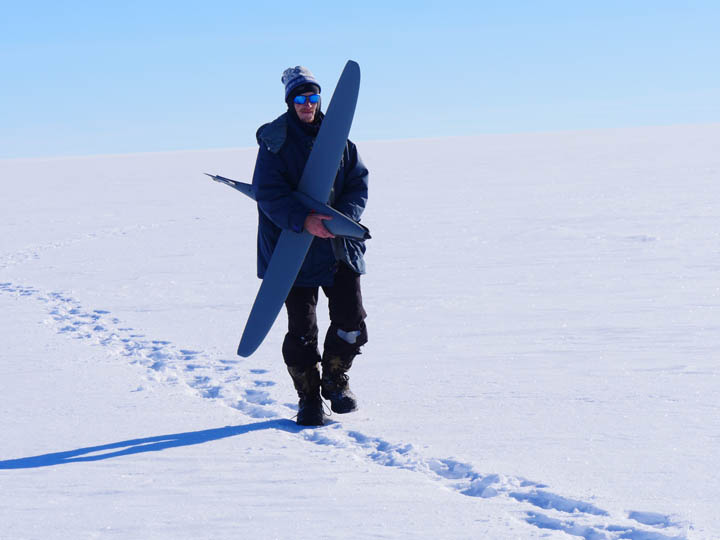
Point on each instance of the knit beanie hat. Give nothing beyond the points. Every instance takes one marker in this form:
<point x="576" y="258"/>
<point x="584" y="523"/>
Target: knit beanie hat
<point x="295" y="78"/>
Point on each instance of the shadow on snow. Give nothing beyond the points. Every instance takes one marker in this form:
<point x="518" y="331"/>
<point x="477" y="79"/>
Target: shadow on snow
<point x="148" y="444"/>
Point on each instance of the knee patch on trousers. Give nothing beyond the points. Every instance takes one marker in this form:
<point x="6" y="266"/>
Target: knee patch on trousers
<point x="300" y="353"/>
<point x="345" y="342"/>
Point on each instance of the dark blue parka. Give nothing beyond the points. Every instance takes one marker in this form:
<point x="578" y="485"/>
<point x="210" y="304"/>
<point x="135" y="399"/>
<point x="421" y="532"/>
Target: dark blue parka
<point x="285" y="145"/>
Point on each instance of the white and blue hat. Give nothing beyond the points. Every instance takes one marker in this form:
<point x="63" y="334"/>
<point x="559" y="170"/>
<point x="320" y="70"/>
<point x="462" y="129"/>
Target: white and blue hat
<point x="297" y="80"/>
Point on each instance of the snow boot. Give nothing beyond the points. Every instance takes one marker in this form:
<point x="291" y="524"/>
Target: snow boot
<point x="310" y="406"/>
<point x="335" y="386"/>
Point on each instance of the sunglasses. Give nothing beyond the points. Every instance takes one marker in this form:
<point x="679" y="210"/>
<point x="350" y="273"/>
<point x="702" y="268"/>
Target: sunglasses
<point x="300" y="100"/>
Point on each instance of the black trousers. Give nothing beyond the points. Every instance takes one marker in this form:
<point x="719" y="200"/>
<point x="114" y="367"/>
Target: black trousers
<point x="347" y="314"/>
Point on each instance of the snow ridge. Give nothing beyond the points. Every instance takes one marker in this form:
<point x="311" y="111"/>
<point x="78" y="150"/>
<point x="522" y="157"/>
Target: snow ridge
<point x="250" y="392"/>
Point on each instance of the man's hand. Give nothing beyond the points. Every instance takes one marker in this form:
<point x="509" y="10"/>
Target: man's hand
<point x="314" y="225"/>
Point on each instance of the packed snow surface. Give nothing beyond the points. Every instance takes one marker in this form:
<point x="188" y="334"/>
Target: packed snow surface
<point x="544" y="320"/>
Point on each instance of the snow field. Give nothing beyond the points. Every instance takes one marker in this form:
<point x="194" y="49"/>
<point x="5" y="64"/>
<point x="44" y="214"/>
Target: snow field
<point x="543" y="314"/>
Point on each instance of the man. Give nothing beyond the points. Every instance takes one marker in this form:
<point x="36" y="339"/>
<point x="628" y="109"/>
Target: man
<point x="335" y="264"/>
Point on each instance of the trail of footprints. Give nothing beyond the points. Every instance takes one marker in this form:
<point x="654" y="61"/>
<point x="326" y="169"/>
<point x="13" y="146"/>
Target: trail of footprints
<point x="34" y="252"/>
<point x="209" y="377"/>
<point x="249" y="391"/>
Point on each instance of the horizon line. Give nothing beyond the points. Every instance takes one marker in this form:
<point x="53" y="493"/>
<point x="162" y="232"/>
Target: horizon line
<point x="359" y="141"/>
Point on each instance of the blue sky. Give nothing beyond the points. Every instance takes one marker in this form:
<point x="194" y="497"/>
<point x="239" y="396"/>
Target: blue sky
<point x="83" y="78"/>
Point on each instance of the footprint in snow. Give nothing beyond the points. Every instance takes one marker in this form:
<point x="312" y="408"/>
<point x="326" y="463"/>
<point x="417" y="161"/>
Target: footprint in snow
<point x="652" y="518"/>
<point x="258" y="397"/>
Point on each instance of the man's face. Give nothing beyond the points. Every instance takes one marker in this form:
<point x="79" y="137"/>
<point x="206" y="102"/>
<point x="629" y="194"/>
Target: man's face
<point x="306" y="111"/>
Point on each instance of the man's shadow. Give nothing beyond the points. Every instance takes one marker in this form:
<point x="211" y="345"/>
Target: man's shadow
<point x="148" y="444"/>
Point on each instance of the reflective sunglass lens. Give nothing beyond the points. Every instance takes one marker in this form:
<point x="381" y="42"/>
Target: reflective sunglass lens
<point x="300" y="100"/>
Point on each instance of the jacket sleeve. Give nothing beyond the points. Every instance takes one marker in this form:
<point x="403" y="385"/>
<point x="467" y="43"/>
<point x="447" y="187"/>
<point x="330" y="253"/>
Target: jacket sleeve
<point x="353" y="198"/>
<point x="273" y="192"/>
